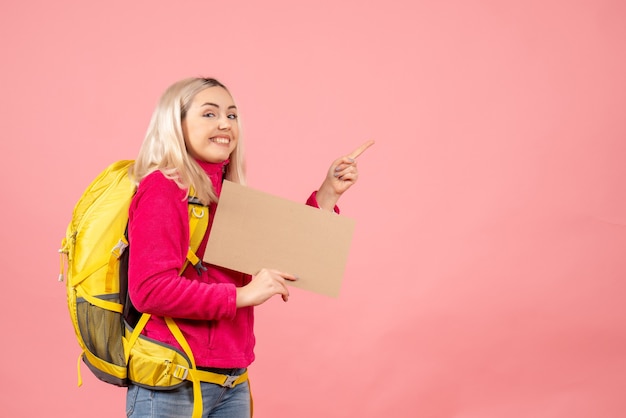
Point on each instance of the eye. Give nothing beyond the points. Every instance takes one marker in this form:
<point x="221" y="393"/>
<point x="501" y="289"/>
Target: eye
<point x="232" y="116"/>
<point x="208" y="115"/>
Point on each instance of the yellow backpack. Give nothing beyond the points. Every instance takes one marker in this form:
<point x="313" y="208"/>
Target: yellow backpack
<point x="110" y="338"/>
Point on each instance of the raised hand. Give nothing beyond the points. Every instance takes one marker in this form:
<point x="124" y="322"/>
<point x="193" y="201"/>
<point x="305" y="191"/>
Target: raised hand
<point x="342" y="174"/>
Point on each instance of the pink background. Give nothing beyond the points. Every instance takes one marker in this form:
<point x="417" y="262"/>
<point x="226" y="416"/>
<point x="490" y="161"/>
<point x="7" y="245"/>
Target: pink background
<point x="486" y="278"/>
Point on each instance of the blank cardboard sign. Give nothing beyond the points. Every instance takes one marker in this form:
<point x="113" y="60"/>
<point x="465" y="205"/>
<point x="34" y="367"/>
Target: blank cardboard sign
<point x="253" y="230"/>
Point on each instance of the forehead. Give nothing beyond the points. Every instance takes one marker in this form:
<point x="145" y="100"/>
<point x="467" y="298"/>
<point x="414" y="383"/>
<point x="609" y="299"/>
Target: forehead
<point x="214" y="96"/>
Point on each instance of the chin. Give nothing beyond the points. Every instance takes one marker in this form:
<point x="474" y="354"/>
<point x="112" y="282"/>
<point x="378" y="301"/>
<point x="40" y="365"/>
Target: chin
<point x="216" y="158"/>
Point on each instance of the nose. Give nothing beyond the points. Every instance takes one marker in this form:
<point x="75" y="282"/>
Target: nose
<point x="225" y="123"/>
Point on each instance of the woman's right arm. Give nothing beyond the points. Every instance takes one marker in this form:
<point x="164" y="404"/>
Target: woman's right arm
<point x="159" y="240"/>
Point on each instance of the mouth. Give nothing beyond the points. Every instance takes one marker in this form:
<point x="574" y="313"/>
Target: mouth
<point x="222" y="140"/>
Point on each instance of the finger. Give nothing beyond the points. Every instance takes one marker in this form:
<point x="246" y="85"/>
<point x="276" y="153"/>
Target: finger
<point x="285" y="293"/>
<point x="345" y="162"/>
<point x="343" y="169"/>
<point x="348" y="177"/>
<point x="286" y="275"/>
<point x="360" y="150"/>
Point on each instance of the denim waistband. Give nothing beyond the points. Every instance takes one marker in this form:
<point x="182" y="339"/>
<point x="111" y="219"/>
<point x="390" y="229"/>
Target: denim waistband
<point x="228" y="372"/>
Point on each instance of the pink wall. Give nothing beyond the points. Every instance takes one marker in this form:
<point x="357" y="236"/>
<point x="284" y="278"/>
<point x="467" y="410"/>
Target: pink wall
<point x="486" y="279"/>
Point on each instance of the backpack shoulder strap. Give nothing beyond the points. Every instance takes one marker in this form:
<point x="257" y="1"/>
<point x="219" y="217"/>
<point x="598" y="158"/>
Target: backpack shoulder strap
<point x="198" y="224"/>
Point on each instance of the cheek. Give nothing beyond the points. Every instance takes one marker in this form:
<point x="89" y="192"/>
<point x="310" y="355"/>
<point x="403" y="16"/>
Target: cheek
<point x="235" y="134"/>
<point x="196" y="139"/>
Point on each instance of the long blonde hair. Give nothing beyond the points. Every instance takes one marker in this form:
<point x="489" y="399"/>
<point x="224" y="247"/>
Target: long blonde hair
<point x="164" y="148"/>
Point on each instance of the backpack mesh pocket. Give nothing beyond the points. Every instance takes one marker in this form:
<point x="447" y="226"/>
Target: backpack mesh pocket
<point x="102" y="330"/>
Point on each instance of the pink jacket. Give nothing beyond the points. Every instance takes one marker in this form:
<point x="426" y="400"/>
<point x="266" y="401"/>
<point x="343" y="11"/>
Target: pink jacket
<point x="219" y="334"/>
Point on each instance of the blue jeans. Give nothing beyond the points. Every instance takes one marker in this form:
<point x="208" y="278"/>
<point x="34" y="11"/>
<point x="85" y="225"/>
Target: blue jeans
<point x="217" y="401"/>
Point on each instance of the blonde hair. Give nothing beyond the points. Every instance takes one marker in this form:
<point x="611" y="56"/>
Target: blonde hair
<point x="164" y="148"/>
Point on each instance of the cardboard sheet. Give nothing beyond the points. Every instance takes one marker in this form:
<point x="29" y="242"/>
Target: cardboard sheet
<point x="253" y="229"/>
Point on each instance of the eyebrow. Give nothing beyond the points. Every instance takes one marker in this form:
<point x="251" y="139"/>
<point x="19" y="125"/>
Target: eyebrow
<point x="216" y="105"/>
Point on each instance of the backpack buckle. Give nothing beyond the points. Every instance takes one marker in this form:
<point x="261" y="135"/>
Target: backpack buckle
<point x="230" y="381"/>
<point x="120" y="247"/>
<point x="180" y="372"/>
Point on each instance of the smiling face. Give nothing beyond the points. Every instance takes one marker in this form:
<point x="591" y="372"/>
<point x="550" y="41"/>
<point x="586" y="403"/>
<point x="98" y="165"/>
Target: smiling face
<point x="210" y="125"/>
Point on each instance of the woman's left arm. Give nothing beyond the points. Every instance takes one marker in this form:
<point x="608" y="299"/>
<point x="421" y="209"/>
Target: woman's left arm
<point x="341" y="175"/>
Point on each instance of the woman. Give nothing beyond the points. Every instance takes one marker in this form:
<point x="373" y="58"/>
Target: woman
<point x="193" y="143"/>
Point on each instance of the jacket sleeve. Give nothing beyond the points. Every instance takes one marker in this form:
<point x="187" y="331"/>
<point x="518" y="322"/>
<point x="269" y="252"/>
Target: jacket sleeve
<point x="159" y="239"/>
<point x="312" y="201"/>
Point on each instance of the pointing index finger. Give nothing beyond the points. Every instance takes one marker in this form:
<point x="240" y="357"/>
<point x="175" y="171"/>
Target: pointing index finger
<point x="360" y="150"/>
